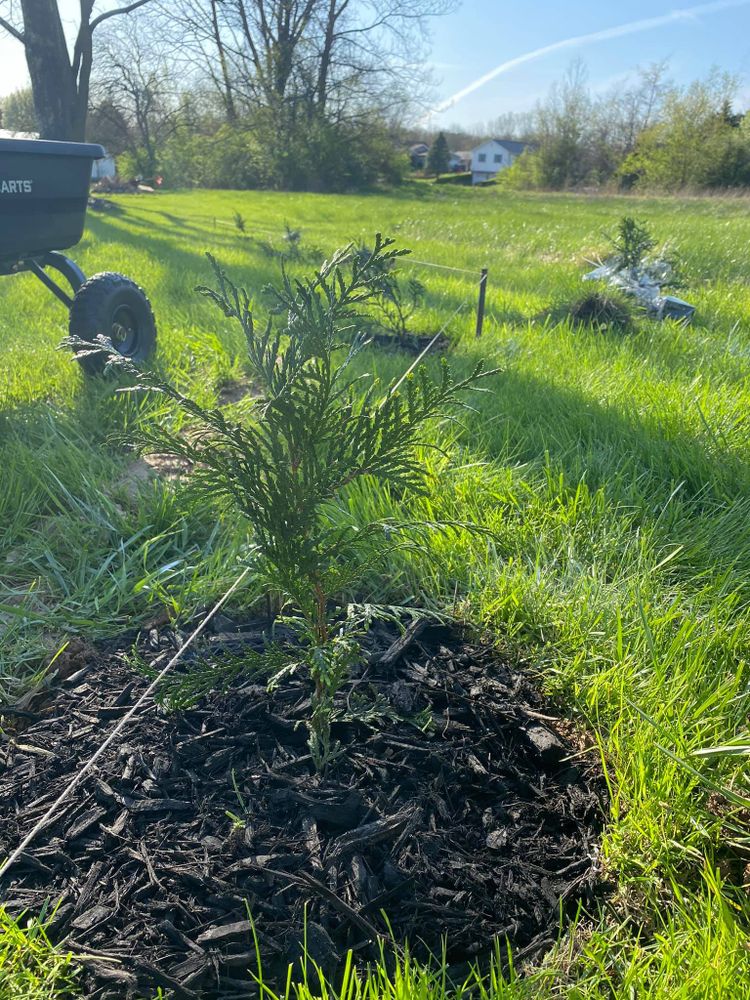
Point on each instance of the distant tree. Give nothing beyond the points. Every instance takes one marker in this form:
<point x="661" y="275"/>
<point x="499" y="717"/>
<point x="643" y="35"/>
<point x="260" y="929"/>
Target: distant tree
<point x="19" y="114"/>
<point x="728" y="115"/>
<point x="332" y="58"/>
<point x="439" y="156"/>
<point x="563" y="131"/>
<point x="695" y="143"/>
<point x="509" y="125"/>
<point x="60" y="81"/>
<point x="134" y="93"/>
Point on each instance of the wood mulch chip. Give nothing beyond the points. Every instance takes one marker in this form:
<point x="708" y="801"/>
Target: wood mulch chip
<point x="455" y="812"/>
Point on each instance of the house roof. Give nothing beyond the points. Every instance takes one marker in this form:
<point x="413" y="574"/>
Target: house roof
<point x="514" y="146"/>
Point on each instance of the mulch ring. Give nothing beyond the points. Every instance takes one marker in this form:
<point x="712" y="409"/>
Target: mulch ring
<point x="409" y="343"/>
<point x="477" y="825"/>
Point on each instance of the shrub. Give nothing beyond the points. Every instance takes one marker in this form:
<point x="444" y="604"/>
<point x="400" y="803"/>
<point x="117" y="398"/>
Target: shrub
<point x="462" y="178"/>
<point x="524" y="174"/>
<point x="229" y="158"/>
<point x="316" y="431"/>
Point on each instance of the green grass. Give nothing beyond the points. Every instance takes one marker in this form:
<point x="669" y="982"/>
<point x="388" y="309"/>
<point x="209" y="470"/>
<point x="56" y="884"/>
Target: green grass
<point x="31" y="968"/>
<point x="613" y="469"/>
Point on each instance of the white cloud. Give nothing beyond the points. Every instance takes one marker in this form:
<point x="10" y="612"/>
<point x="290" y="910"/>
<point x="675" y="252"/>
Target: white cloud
<point x="631" y="28"/>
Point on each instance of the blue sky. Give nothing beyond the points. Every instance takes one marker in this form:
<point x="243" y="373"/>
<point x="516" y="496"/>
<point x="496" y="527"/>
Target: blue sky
<point x="485" y="33"/>
<point x="482" y="34"/>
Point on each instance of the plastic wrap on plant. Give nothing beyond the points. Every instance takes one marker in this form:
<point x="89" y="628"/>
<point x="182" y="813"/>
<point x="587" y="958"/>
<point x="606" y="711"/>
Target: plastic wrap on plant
<point x="645" y="284"/>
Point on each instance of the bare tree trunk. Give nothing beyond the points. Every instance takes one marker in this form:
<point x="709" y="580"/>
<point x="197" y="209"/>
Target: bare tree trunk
<point x="60" y="85"/>
<point x="229" y="104"/>
<point x="56" y="98"/>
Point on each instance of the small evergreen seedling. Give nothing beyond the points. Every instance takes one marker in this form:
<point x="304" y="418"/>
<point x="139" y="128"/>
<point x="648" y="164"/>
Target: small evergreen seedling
<point x="632" y="243"/>
<point x="293" y="239"/>
<point x="316" y="430"/>
<point x="395" y="299"/>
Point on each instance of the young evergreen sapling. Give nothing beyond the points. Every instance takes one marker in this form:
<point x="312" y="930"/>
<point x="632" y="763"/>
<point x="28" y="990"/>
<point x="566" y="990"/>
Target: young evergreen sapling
<point x="316" y="429"/>
<point x="395" y="299"/>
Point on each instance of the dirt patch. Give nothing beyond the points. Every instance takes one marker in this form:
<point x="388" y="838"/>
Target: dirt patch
<point x="454" y="809"/>
<point x="237" y="389"/>
<point x="169" y="468"/>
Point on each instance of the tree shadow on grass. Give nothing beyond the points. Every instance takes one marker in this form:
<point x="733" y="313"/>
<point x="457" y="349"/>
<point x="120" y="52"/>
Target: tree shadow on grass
<point x="156" y="241"/>
<point x="629" y="455"/>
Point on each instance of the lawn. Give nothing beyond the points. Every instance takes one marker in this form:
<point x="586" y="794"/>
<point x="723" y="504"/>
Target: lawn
<point x="613" y="471"/>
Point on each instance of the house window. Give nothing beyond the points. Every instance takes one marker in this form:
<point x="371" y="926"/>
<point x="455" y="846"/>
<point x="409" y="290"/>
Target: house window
<point x="482" y="157"/>
<point x="498" y="157"/>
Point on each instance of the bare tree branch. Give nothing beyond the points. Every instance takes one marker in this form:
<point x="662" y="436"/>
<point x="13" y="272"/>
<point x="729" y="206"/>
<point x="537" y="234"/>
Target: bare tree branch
<point x="18" y="35"/>
<point x="118" y="10"/>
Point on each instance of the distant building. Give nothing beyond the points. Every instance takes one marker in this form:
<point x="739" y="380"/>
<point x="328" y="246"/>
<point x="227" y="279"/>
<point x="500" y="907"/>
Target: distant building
<point x="418" y="155"/>
<point x="460" y="161"/>
<point x="6" y="133"/>
<point x="494" y="155"/>
<point x="106" y="167"/>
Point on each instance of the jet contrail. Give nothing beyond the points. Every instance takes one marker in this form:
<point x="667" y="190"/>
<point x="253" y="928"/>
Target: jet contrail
<point x="645" y="24"/>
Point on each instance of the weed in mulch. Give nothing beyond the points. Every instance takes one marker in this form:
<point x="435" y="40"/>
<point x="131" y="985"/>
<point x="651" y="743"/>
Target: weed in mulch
<point x="455" y="809"/>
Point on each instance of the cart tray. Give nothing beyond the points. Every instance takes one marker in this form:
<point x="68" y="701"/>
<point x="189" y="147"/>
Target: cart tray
<point x="44" y="190"/>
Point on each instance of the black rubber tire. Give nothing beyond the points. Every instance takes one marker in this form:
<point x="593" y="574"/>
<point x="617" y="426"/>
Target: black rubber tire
<point x="115" y="307"/>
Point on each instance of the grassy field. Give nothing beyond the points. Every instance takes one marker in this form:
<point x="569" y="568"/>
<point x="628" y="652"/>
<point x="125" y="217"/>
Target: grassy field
<point x="614" y="471"/>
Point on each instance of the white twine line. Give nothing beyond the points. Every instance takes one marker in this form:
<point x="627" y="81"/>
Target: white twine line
<point x="13" y="858"/>
<point x="442" y="267"/>
<point x="251" y="231"/>
<point x="419" y="357"/>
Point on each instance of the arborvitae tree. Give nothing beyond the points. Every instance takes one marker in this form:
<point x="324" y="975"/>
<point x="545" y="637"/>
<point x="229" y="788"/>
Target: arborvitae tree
<point x="728" y="115"/>
<point x="317" y="429"/>
<point x="439" y="156"/>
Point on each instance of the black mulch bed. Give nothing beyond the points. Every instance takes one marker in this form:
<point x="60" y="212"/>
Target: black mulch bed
<point x="480" y="826"/>
<point x="410" y="343"/>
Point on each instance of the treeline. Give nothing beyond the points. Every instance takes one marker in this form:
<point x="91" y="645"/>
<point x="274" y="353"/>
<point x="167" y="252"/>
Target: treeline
<point x="292" y="94"/>
<point x="648" y="135"/>
<point x="314" y="94"/>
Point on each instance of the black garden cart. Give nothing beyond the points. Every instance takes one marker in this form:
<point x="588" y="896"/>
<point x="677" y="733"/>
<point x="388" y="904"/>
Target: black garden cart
<point x="44" y="190"/>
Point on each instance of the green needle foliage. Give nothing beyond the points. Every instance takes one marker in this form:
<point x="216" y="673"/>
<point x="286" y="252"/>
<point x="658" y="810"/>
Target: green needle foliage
<point x="631" y="243"/>
<point x="395" y="300"/>
<point x="315" y="430"/>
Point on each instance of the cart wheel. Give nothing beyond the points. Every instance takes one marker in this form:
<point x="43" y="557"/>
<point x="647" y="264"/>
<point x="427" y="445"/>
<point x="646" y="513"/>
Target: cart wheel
<point x="115" y="307"/>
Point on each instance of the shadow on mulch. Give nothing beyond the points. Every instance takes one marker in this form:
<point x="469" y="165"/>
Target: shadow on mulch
<point x="409" y="343"/>
<point x="456" y="810"/>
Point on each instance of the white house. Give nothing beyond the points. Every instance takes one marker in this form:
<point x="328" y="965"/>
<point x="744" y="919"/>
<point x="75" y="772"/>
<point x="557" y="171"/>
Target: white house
<point x="418" y="155"/>
<point x="492" y="156"/>
<point x="8" y="134"/>
<point x="106" y="167"/>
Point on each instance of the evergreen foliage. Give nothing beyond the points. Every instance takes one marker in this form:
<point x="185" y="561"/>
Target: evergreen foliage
<point x="631" y="242"/>
<point x="396" y="299"/>
<point x="438" y="158"/>
<point x="315" y="431"/>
